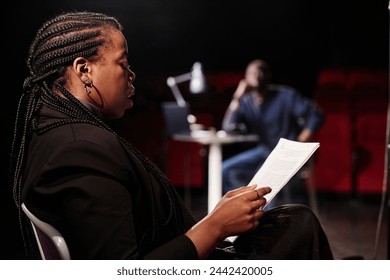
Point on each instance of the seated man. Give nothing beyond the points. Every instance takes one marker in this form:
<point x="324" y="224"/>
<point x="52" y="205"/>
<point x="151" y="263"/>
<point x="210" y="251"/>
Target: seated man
<point x="270" y="111"/>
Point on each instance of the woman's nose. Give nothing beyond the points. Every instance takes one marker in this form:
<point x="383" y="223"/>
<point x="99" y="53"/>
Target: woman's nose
<point x="132" y="75"/>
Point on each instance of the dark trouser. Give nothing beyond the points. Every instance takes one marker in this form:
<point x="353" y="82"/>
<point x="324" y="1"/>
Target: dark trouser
<point x="288" y="232"/>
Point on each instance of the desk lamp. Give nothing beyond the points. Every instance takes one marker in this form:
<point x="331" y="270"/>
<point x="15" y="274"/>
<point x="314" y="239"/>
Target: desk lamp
<point x="197" y="83"/>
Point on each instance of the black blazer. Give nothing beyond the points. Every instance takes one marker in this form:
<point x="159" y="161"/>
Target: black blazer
<point x="82" y="180"/>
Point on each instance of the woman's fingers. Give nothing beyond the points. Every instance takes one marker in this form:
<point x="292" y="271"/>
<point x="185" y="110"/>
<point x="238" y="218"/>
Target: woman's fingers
<point x="239" y="210"/>
<point x="240" y="190"/>
<point x="259" y="203"/>
<point x="251" y="194"/>
<point x="263" y="191"/>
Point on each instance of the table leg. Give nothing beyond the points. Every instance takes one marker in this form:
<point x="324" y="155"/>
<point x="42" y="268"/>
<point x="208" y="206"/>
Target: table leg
<point x="215" y="175"/>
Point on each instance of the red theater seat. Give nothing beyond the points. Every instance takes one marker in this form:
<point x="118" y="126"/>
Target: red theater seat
<point x="186" y="164"/>
<point x="371" y="141"/>
<point x="333" y="159"/>
<point x="370" y="91"/>
<point x="353" y="139"/>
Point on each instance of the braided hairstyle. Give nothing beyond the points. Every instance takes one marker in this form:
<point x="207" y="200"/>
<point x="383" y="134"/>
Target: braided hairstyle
<point x="56" y="44"/>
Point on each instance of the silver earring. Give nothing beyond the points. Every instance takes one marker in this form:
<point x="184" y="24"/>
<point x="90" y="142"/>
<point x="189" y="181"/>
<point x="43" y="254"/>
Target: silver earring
<point x="88" y="88"/>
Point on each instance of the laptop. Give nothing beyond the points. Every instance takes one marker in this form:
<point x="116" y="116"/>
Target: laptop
<point x="176" y="120"/>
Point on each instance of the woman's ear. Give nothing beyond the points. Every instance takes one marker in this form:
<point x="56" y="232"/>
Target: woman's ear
<point x="81" y="68"/>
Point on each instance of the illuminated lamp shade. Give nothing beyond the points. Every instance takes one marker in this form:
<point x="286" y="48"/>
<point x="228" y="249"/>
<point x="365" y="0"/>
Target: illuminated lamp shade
<point x="197" y="82"/>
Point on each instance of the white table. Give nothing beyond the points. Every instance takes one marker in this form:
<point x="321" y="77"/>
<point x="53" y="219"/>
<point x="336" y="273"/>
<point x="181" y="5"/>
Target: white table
<point x="215" y="140"/>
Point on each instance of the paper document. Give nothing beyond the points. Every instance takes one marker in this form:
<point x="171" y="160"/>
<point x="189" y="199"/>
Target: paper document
<point x="281" y="165"/>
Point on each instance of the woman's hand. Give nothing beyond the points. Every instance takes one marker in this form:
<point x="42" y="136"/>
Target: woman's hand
<point x="237" y="212"/>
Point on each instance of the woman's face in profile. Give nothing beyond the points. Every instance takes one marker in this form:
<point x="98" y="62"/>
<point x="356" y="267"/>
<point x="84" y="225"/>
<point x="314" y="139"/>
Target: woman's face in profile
<point x="113" y="79"/>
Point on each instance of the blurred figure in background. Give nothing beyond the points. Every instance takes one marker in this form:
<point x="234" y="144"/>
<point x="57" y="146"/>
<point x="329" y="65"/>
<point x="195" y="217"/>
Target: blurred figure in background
<point x="272" y="112"/>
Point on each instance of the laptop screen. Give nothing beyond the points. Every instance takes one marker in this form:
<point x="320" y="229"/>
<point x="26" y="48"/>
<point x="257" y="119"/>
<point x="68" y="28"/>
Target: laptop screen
<point x="176" y="120"/>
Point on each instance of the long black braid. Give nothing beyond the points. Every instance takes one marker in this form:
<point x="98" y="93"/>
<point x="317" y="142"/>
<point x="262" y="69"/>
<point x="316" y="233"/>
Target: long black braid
<point x="57" y="43"/>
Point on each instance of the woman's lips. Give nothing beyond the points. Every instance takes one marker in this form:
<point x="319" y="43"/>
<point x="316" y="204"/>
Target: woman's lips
<point x="131" y="93"/>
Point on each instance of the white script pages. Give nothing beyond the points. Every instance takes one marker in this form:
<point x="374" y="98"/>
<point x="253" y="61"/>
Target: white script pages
<point x="281" y="165"/>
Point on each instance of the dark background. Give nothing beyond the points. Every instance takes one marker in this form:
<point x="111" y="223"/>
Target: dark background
<point x="297" y="37"/>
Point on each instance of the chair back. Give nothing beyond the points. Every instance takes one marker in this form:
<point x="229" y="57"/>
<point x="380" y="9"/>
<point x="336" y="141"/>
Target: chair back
<point x="51" y="244"/>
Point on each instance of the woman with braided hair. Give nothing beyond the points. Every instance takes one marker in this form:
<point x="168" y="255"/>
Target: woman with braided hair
<point x="72" y="170"/>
